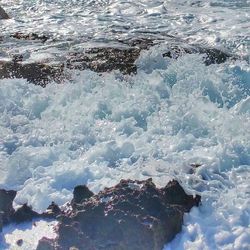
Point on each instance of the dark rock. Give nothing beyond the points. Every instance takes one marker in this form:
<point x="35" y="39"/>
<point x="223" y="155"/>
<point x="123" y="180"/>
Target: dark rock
<point x="19" y="242"/>
<point x="3" y="14"/>
<point x="211" y="55"/>
<point x="131" y="215"/>
<point x="67" y="233"/>
<point x="1" y="221"/>
<point x="175" y="194"/>
<point x="81" y="193"/>
<point x="30" y="36"/>
<point x="45" y="244"/>
<point x="53" y="210"/>
<point x="105" y="59"/>
<point x="37" y="73"/>
<point x="24" y="213"/>
<point x="6" y="208"/>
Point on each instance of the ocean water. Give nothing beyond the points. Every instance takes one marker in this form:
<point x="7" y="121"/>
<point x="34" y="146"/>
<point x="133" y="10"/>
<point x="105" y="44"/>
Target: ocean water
<point x="96" y="129"/>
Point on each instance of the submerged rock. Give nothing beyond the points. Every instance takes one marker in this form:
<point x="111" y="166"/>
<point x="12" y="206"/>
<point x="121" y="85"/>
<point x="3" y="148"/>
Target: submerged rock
<point x="24" y="213"/>
<point x="30" y="36"/>
<point x="3" y="14"/>
<point x="131" y="215"/>
<point x="211" y="55"/>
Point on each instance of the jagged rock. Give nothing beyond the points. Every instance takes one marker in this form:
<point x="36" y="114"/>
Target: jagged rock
<point x="6" y="208"/>
<point x="37" y="73"/>
<point x="52" y="211"/>
<point x="104" y="59"/>
<point x="211" y="55"/>
<point x="3" y="14"/>
<point x="131" y="215"/>
<point x="24" y="213"/>
<point x="81" y="193"/>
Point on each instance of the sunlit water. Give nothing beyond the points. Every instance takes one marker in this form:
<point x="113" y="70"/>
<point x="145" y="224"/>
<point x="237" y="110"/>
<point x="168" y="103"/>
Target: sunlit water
<point x="97" y="129"/>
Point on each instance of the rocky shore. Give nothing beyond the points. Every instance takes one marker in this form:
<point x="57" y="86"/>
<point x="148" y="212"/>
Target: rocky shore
<point x="131" y="215"/>
<point x="100" y="59"/>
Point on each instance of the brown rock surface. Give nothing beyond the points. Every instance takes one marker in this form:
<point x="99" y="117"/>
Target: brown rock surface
<point x="131" y="215"/>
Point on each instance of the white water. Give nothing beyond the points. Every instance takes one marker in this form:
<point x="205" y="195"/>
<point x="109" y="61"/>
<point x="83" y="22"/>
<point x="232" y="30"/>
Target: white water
<point x="98" y="129"/>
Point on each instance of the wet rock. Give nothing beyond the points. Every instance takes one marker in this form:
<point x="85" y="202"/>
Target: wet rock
<point x="19" y="242"/>
<point x="52" y="211"/>
<point x="105" y="60"/>
<point x="6" y="208"/>
<point x="174" y="194"/>
<point x="45" y="244"/>
<point x="24" y="213"/>
<point x="37" y="73"/>
<point x="81" y="193"/>
<point x="3" y="14"/>
<point x="131" y="215"/>
<point x="30" y="36"/>
<point x="211" y="55"/>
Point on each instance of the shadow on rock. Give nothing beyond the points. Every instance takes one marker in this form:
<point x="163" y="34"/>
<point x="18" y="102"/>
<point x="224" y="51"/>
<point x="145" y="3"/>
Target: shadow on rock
<point x="37" y="73"/>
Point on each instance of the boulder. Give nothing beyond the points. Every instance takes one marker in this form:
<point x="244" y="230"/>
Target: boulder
<point x="131" y="215"/>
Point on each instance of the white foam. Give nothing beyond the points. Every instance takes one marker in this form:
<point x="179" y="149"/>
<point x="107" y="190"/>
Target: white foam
<point x="73" y="25"/>
<point x="98" y="129"/>
<point x="28" y="233"/>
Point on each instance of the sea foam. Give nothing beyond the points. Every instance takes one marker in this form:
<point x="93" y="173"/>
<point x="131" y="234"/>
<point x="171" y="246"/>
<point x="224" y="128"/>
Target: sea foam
<point x="98" y="129"/>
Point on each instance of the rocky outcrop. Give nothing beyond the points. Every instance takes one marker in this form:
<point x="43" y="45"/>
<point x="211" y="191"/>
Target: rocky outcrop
<point x="3" y="14"/>
<point x="30" y="36"/>
<point x="36" y="73"/>
<point x="131" y="215"/>
<point x="80" y="194"/>
<point x="101" y="59"/>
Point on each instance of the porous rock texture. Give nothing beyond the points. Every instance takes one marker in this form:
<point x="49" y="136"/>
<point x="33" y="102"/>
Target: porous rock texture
<point x="131" y="215"/>
<point x="99" y="59"/>
<point x="22" y="214"/>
